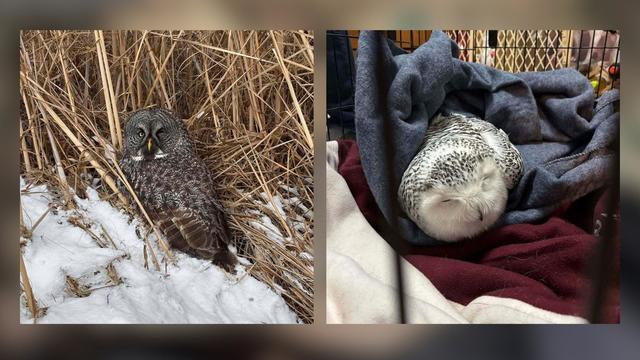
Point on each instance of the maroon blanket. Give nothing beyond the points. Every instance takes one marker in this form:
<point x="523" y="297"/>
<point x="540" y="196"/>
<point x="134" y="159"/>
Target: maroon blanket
<point x="350" y="168"/>
<point x="544" y="265"/>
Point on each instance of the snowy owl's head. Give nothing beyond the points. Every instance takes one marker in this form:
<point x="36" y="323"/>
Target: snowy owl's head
<point x="466" y="205"/>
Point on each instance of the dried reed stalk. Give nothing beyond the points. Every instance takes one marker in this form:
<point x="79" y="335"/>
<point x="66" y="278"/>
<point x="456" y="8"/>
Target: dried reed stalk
<point x="32" y="304"/>
<point x="246" y="97"/>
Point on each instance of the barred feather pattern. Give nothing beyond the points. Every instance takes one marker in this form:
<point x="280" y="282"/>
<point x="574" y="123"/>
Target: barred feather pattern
<point x="175" y="186"/>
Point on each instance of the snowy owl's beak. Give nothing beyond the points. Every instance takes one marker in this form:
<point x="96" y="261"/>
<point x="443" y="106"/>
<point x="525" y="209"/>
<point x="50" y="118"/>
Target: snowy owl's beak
<point x="480" y="215"/>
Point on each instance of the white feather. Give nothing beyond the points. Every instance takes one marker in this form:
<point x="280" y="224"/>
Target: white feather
<point x="159" y="155"/>
<point x="457" y="185"/>
<point x="470" y="210"/>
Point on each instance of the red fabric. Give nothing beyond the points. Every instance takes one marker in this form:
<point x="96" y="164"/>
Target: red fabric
<point x="350" y="168"/>
<point x="544" y="265"/>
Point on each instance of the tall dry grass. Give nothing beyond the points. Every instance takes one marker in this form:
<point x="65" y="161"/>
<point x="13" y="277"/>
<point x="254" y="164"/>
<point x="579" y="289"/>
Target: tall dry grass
<point x="246" y="96"/>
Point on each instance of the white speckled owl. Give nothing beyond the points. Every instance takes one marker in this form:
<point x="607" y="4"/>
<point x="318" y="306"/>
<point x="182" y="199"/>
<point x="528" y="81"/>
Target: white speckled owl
<point x="457" y="185"/>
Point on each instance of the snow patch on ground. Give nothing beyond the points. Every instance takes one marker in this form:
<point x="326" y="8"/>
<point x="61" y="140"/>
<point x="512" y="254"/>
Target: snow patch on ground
<point x="285" y="207"/>
<point x="98" y="275"/>
<point x="270" y="213"/>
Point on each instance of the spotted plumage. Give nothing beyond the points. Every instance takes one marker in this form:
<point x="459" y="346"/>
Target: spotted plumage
<point x="174" y="185"/>
<point x="457" y="184"/>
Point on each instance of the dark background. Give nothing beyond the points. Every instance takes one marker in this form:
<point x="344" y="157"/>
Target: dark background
<point x="319" y="340"/>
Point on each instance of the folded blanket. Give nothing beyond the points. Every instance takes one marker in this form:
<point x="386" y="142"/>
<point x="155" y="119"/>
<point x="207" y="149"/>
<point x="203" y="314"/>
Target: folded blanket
<point x="543" y="265"/>
<point x="565" y="141"/>
<point x="361" y="286"/>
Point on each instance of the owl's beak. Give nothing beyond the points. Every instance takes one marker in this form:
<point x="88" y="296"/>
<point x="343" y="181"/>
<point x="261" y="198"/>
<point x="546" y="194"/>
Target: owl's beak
<point x="149" y="144"/>
<point x="480" y="215"/>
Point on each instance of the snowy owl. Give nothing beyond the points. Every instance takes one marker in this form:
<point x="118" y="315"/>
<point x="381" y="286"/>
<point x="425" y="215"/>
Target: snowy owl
<point x="174" y="185"/>
<point x="457" y="185"/>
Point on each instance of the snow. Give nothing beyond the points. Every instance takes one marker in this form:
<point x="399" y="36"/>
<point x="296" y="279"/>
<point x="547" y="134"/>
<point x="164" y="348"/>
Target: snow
<point x="270" y="211"/>
<point x="115" y="286"/>
<point x="291" y="209"/>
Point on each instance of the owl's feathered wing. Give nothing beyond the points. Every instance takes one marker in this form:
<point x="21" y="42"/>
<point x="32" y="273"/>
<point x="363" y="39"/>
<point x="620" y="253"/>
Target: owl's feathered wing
<point x="186" y="230"/>
<point x="185" y="211"/>
<point x="506" y="155"/>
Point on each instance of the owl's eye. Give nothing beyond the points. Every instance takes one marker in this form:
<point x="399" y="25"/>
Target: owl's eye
<point x="160" y="132"/>
<point x="140" y="133"/>
<point x="446" y="200"/>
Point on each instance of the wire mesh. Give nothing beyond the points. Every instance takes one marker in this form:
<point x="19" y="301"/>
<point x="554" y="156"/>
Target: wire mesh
<point x="594" y="53"/>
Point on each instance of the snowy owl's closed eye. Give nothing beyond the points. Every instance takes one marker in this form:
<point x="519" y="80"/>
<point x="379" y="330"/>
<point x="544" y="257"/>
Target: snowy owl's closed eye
<point x="457" y="185"/>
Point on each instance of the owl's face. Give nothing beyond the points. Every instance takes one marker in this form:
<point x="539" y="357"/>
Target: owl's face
<point x="467" y="208"/>
<point x="475" y="199"/>
<point x="152" y="134"/>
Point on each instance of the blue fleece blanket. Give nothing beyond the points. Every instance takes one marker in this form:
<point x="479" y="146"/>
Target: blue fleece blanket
<point x="565" y="136"/>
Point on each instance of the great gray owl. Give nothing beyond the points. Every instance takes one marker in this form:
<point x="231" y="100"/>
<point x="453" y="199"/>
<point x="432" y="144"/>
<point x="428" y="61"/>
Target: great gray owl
<point x="457" y="184"/>
<point x="175" y="186"/>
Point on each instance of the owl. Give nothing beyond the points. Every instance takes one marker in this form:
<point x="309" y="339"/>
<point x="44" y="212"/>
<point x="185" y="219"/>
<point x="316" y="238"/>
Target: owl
<point x="457" y="185"/>
<point x="174" y="186"/>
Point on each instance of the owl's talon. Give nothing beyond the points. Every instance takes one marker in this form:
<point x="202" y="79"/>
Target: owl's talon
<point x="226" y="260"/>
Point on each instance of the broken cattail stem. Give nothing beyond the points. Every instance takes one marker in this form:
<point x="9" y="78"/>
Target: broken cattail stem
<point x="154" y="259"/>
<point x="152" y="57"/>
<point x="160" y="71"/>
<point x="67" y="83"/>
<point x="294" y="97"/>
<point x="64" y="185"/>
<point x="32" y="304"/>
<point x="105" y="91"/>
<point x="108" y="179"/>
<point x="112" y="104"/>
